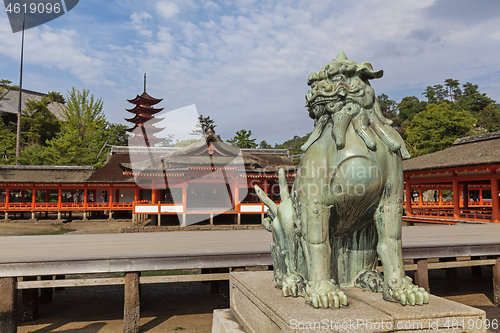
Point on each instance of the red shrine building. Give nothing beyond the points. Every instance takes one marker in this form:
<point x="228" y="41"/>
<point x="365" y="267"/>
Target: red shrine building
<point x="461" y="182"/>
<point x="208" y="181"/>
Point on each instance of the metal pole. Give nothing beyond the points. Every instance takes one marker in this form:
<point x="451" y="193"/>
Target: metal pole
<point x="18" y="137"/>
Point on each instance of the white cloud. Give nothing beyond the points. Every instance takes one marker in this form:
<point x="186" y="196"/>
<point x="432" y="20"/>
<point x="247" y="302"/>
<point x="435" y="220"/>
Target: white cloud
<point x="167" y="9"/>
<point x="137" y="20"/>
<point x="245" y="63"/>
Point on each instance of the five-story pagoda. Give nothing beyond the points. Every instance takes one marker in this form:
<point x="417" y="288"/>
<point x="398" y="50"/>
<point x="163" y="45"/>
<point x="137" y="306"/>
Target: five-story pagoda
<point x="144" y="120"/>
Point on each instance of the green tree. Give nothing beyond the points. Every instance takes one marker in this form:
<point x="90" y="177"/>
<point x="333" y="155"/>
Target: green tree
<point x="83" y="113"/>
<point x="242" y="139"/>
<point x="38" y="123"/>
<point x="489" y="118"/>
<point x="473" y="100"/>
<point x="430" y="94"/>
<point x="5" y="88"/>
<point x="7" y="144"/>
<point x="264" y="145"/>
<point x="389" y="109"/>
<point x="453" y="87"/>
<point x="436" y="128"/>
<point x="204" y="126"/>
<point x="85" y="136"/>
<point x="409" y="107"/>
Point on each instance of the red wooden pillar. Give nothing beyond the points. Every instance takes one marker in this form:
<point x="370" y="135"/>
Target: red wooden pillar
<point x="7" y="197"/>
<point x="153" y="196"/>
<point x="136" y="193"/>
<point x="111" y="197"/>
<point x="440" y="197"/>
<point x="33" y="198"/>
<point x="59" y="198"/>
<point x="409" y="211"/>
<point x="456" y="200"/>
<point x="236" y="196"/>
<point x="85" y="200"/>
<point x="465" y="196"/>
<point x="184" y="196"/>
<point x="266" y="187"/>
<point x="495" y="204"/>
<point x="420" y="198"/>
<point x="480" y="196"/>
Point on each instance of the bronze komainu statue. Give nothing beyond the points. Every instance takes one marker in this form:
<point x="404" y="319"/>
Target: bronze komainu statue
<point x="344" y="210"/>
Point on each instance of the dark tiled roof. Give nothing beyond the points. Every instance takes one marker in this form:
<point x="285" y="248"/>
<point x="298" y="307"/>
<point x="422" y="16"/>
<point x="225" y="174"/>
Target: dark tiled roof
<point x="470" y="151"/>
<point x="44" y="174"/>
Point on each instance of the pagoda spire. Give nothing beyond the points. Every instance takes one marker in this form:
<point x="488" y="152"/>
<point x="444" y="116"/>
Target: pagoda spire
<point x="144" y="82"/>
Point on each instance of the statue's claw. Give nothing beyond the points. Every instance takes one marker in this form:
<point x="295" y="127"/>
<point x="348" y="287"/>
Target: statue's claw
<point x="293" y="285"/>
<point x="403" y="291"/>
<point x="325" y="294"/>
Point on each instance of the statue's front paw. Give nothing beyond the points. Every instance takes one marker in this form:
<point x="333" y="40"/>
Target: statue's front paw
<point x="324" y="293"/>
<point x="402" y="290"/>
<point x="294" y="285"/>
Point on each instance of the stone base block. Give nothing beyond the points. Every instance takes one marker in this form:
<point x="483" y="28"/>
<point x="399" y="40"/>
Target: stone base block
<point x="224" y="322"/>
<point x="259" y="307"/>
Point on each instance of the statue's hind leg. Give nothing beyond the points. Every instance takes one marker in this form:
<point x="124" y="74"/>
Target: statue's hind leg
<point x="397" y="286"/>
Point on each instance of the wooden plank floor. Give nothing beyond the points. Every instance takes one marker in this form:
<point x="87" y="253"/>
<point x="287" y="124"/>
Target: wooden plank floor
<point x="78" y="254"/>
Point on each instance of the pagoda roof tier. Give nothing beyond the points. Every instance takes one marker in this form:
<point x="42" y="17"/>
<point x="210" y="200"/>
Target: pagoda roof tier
<point x="149" y="129"/>
<point x="144" y="109"/>
<point x="139" y="141"/>
<point x="144" y="98"/>
<point x="144" y="119"/>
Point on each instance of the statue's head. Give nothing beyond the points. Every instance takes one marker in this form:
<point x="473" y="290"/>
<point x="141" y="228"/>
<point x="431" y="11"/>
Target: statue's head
<point x="341" y="92"/>
<point x="341" y="80"/>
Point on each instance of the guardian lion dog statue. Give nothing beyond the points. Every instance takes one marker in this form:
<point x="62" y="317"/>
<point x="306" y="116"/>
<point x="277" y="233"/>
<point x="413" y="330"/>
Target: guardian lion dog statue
<point x="344" y="209"/>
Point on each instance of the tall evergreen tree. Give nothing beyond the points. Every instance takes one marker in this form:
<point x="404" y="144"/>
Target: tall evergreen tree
<point x="242" y="139"/>
<point x="436" y="128"/>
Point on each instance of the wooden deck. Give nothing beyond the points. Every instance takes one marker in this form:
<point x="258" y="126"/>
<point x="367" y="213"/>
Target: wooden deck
<point x="23" y="256"/>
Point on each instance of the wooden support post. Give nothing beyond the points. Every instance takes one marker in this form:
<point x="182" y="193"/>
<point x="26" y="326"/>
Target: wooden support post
<point x="238" y="221"/>
<point x="466" y="196"/>
<point x="46" y="293"/>
<point x="59" y="216"/>
<point x="422" y="274"/>
<point x="29" y="302"/>
<point x="8" y="297"/>
<point x="159" y="220"/>
<point x="183" y="220"/>
<point x="211" y="218"/>
<point x="33" y="216"/>
<point x="33" y="198"/>
<point x="495" y="202"/>
<point x="456" y="200"/>
<point x="420" y="198"/>
<point x="496" y="282"/>
<point x="451" y="276"/>
<point x="409" y="211"/>
<point x="132" y="308"/>
<point x="476" y="270"/>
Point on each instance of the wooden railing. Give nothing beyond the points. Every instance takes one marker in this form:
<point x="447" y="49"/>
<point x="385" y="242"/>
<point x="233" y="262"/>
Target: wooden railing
<point x="480" y="215"/>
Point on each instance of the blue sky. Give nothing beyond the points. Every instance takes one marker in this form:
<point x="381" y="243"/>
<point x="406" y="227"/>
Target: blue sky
<point x="245" y="63"/>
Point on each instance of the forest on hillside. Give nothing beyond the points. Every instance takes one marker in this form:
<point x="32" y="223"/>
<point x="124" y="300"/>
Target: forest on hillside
<point x="427" y="124"/>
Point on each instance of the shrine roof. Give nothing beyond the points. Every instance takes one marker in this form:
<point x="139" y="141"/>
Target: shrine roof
<point x="210" y="150"/>
<point x="145" y="97"/>
<point x="44" y="174"/>
<point x="475" y="150"/>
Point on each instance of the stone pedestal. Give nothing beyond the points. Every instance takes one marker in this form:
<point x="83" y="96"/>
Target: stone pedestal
<point x="256" y="307"/>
